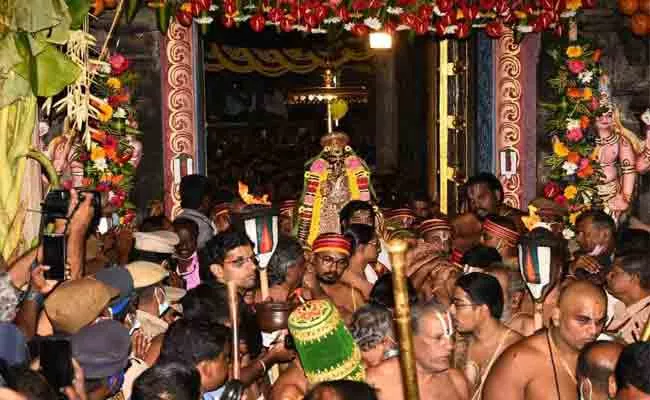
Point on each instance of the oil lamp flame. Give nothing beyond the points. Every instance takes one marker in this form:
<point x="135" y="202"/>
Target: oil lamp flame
<point x="252" y="199"/>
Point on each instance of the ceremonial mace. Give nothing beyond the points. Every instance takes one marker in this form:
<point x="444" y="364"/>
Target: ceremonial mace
<point x="397" y="251"/>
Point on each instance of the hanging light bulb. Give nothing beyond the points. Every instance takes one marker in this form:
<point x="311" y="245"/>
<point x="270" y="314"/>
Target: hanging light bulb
<point x="380" y="40"/>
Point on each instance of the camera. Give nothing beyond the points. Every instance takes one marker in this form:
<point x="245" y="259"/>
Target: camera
<point x="57" y="202"/>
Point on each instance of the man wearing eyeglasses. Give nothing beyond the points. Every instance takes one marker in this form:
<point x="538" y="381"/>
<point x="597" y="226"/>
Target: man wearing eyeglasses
<point x="229" y="257"/>
<point x="330" y="258"/>
<point x="476" y="308"/>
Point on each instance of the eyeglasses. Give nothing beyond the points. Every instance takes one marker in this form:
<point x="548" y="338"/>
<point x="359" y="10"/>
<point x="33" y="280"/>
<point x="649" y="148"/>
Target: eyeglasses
<point x="340" y="263"/>
<point x="240" y="261"/>
<point x="457" y="304"/>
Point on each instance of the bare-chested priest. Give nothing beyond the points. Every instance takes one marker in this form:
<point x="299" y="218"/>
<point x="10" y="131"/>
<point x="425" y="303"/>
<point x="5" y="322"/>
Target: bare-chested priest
<point x="330" y="258"/>
<point x="476" y="307"/>
<point x="542" y="367"/>
<point x="432" y="336"/>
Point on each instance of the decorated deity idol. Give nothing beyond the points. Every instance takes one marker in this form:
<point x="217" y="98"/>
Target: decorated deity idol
<point x="621" y="154"/>
<point x="333" y="178"/>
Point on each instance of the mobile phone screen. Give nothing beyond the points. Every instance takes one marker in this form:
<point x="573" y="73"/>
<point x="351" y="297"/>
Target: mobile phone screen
<point x="54" y="256"/>
<point x="56" y="362"/>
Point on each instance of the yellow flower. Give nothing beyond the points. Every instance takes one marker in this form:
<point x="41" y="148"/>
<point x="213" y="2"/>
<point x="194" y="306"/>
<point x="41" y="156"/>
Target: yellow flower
<point x="560" y="148"/>
<point x="574" y="216"/>
<point x="105" y="112"/>
<point x="97" y="153"/>
<point x="573" y="5"/>
<point x="574" y="51"/>
<point x="114" y="84"/>
<point x="587" y="94"/>
<point x="570" y="192"/>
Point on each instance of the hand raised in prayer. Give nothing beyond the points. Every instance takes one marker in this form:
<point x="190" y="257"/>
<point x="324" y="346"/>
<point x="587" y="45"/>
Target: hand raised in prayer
<point x="140" y="345"/>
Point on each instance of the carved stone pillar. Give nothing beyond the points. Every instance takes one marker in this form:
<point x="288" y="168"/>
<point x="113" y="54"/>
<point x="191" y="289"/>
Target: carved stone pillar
<point x="515" y="84"/>
<point x="181" y="113"/>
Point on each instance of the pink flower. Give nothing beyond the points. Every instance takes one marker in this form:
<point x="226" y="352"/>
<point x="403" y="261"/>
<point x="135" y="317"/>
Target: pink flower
<point x="575" y="135"/>
<point x="560" y="199"/>
<point x="318" y="166"/>
<point x="583" y="163"/>
<point x="576" y="66"/>
<point x="119" y="64"/>
<point x="115" y="200"/>
<point x="353" y="162"/>
<point x="67" y="184"/>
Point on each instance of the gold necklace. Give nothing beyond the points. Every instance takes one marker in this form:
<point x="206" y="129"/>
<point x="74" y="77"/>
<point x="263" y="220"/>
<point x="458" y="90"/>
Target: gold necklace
<point x="564" y="364"/>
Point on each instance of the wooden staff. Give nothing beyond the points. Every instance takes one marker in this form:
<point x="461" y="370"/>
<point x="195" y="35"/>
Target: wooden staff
<point x="274" y="373"/>
<point x="233" y="308"/>
<point x="397" y="250"/>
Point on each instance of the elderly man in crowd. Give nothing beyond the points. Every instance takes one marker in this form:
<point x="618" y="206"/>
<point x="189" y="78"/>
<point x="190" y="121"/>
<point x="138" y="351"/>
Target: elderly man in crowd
<point x="595" y="372"/>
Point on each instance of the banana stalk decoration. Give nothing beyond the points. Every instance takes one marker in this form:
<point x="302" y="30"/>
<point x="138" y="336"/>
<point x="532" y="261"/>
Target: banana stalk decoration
<point x="16" y="125"/>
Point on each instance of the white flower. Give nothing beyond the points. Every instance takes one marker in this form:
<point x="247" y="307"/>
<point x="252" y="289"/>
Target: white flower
<point x="402" y="27"/>
<point x="395" y="10"/>
<point x="105" y="68"/>
<point x="572" y="124"/>
<point x="214" y="7"/>
<point x="568" y="233"/>
<point x="101" y="164"/>
<point x="119" y="113"/>
<point x="301" y="28"/>
<point x="348" y="26"/>
<point x="318" y="31"/>
<point x="250" y="6"/>
<point x="331" y="20"/>
<point x="524" y="28"/>
<point x="242" y="18"/>
<point x="207" y="20"/>
<point x="586" y="76"/>
<point x="372" y="23"/>
<point x="569" y="168"/>
<point x="568" y="14"/>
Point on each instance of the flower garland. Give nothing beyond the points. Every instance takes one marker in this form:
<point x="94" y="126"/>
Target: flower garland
<point x="443" y="17"/>
<point x="358" y="177"/>
<point x="574" y="168"/>
<point x="113" y="154"/>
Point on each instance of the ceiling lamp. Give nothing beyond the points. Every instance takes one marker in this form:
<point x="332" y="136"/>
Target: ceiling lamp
<point x="328" y="94"/>
<point x="380" y="40"/>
